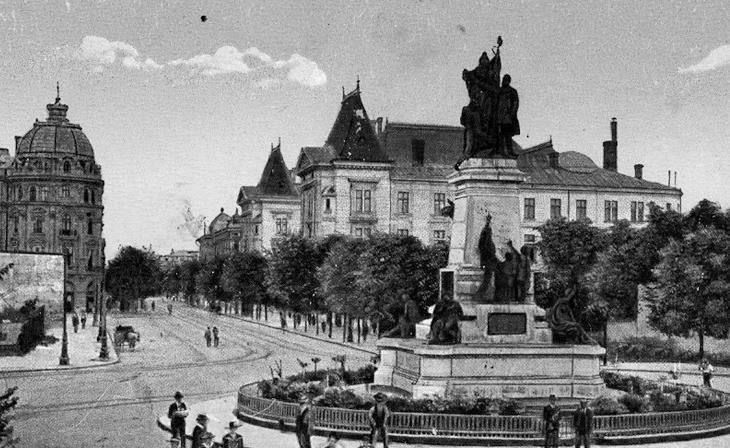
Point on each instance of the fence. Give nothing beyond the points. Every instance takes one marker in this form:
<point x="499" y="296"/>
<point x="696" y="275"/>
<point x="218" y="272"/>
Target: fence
<point x="481" y="428"/>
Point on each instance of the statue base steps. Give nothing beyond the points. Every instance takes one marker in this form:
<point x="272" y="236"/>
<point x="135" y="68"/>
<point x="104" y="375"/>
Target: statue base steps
<point x="509" y="371"/>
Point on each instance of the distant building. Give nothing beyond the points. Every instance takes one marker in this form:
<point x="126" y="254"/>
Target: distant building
<point x="391" y="177"/>
<point x="269" y="210"/>
<point x="51" y="201"/>
<point x="176" y="258"/>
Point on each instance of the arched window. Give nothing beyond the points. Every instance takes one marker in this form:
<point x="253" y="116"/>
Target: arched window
<point x="93" y="196"/>
<point x="66" y="166"/>
<point x="86" y="195"/>
<point x="90" y="227"/>
<point x="31" y="194"/>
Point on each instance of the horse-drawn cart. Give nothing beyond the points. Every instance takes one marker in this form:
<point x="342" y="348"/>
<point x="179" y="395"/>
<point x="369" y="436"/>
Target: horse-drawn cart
<point x="126" y="333"/>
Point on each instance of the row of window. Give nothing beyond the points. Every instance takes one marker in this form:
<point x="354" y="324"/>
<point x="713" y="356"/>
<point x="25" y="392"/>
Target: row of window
<point x="43" y="194"/>
<point x="39" y="220"/>
<point x="438" y="235"/>
<point x="610" y="209"/>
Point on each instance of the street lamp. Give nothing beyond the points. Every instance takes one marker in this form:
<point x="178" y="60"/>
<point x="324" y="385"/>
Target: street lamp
<point x="104" y="353"/>
<point x="64" y="342"/>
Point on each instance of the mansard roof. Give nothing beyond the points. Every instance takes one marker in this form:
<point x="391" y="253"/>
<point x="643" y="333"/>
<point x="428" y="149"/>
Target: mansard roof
<point x="275" y="180"/>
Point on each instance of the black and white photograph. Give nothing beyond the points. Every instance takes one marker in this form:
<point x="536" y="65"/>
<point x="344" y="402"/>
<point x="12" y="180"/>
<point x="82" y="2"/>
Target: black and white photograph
<point x="364" y="223"/>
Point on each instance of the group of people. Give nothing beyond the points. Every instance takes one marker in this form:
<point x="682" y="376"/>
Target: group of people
<point x="212" y="336"/>
<point x="582" y="423"/>
<point x="78" y="317"/>
<point x="201" y="437"/>
<point x="378" y="417"/>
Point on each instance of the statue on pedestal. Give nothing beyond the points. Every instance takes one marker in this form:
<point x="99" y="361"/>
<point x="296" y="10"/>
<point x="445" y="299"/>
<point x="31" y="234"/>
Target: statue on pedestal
<point x="505" y="276"/>
<point x="407" y="321"/>
<point x="487" y="257"/>
<point x="490" y="118"/>
<point x="445" y="322"/>
<point x="563" y="324"/>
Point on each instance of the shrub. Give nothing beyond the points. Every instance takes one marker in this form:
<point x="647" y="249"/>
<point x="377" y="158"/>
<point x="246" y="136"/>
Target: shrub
<point x="605" y="405"/>
<point x="635" y="403"/>
<point x="665" y="402"/>
<point x="651" y="348"/>
<point x="625" y="383"/>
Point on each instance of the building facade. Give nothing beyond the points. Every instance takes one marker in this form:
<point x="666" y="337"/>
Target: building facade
<point x="51" y="201"/>
<point x="269" y="210"/>
<point x="176" y="258"/>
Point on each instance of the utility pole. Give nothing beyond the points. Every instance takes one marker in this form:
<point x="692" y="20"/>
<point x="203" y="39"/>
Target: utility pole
<point x="64" y="361"/>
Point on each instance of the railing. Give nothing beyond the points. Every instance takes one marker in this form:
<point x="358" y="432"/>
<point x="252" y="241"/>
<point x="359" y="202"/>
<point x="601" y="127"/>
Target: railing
<point x="530" y="427"/>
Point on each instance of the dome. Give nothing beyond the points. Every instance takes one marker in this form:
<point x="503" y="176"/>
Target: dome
<point x="55" y="136"/>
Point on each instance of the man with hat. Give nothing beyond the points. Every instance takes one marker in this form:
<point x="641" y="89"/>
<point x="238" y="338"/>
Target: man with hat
<point x="177" y="413"/>
<point x="174" y="442"/>
<point x="304" y="423"/>
<point x="233" y="439"/>
<point x="551" y="417"/>
<point x="583" y="424"/>
<point x="379" y="416"/>
<point x="200" y="431"/>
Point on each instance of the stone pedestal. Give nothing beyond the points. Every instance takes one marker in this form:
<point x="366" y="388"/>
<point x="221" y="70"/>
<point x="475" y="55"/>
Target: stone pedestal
<point x="517" y="371"/>
<point x="483" y="186"/>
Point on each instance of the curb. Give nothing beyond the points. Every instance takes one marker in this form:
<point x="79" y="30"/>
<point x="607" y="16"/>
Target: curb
<point x="286" y="330"/>
<point x="63" y="369"/>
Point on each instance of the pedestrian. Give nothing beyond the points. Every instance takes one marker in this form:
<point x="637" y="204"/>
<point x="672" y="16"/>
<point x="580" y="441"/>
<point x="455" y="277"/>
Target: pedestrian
<point x="153" y="305"/>
<point x="333" y="441"/>
<point x="707" y="370"/>
<point x="551" y="417"/>
<point x="177" y="413"/>
<point x="169" y="309"/>
<point x="304" y="423"/>
<point x="232" y="439"/>
<point x="378" y="417"/>
<point x="583" y="424"/>
<point x="282" y="320"/>
<point x="75" y="321"/>
<point x="83" y="319"/>
<point x="207" y="336"/>
<point x="216" y="339"/>
<point x="200" y="430"/>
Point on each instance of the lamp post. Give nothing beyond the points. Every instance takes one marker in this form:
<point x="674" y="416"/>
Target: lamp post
<point x="64" y="361"/>
<point x="104" y="352"/>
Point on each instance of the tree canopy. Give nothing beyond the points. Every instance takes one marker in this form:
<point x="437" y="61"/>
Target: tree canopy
<point x="132" y="275"/>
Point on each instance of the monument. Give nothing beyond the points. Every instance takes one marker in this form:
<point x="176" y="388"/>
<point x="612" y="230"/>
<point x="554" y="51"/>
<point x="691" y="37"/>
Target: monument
<point x="487" y="335"/>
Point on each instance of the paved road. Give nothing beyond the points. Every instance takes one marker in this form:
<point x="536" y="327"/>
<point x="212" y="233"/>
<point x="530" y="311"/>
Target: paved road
<point x="116" y="406"/>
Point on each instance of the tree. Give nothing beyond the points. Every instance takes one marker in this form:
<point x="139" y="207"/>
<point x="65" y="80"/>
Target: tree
<point x="569" y="250"/>
<point x="706" y="214"/>
<point x="208" y="280"/>
<point x="132" y="276"/>
<point x="693" y="287"/>
<point x="243" y="278"/>
<point x="292" y="276"/>
<point x="188" y="273"/>
<point x="172" y="281"/>
<point x="7" y="402"/>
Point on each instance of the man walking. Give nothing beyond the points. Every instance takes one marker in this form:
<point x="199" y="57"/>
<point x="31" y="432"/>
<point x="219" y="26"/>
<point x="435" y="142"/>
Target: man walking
<point x="378" y="417"/>
<point x="707" y="370"/>
<point x="83" y="318"/>
<point x="207" y="336"/>
<point x="551" y="417"/>
<point x="216" y="339"/>
<point x="177" y="413"/>
<point x="583" y="424"/>
<point x="304" y="423"/>
<point x="75" y="321"/>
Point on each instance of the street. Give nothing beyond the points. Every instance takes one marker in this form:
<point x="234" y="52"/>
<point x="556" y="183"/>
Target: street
<point x="117" y="405"/>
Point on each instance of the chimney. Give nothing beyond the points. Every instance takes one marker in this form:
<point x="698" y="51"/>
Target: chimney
<point x="17" y="143"/>
<point x="639" y="171"/>
<point x="669" y="178"/>
<point x="610" y="149"/>
<point x="554" y="159"/>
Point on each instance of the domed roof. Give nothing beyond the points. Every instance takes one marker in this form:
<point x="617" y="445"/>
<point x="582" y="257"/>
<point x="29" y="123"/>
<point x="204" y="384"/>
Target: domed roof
<point x="55" y="136"/>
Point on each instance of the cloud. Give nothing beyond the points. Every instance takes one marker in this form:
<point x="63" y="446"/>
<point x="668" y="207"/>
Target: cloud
<point x="717" y="58"/>
<point x="100" y="53"/>
<point x="228" y="59"/>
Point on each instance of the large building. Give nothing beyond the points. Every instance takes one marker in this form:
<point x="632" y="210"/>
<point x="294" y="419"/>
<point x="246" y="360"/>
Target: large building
<point x="269" y="210"/>
<point x="51" y="201"/>
<point x="380" y="176"/>
<point x="176" y="258"/>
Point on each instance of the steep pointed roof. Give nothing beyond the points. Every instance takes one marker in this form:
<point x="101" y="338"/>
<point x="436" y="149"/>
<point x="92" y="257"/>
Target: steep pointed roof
<point x="352" y="136"/>
<point x="275" y="180"/>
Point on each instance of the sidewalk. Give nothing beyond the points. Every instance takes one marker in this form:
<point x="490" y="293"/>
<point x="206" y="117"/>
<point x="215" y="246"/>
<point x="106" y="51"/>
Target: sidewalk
<point x="83" y="351"/>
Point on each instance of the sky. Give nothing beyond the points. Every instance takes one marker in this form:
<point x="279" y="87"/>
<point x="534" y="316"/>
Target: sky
<point x="183" y="111"/>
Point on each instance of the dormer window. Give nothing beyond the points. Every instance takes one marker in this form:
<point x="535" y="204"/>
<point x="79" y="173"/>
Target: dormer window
<point x="66" y="166"/>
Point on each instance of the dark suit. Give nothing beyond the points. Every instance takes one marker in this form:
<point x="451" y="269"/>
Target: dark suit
<point x="232" y="441"/>
<point x="304" y="427"/>
<point x="198" y="433"/>
<point x="583" y="425"/>
<point x="551" y="417"/>
<point x="177" y="424"/>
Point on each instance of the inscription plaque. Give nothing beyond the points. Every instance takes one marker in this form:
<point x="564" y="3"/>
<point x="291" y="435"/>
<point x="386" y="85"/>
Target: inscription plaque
<point x="506" y="323"/>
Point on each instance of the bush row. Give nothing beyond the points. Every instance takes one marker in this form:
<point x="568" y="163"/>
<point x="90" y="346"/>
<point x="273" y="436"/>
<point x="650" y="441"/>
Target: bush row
<point x="651" y="348"/>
